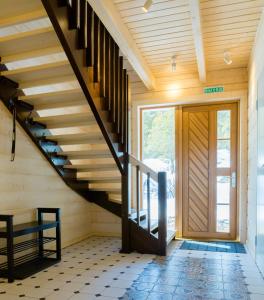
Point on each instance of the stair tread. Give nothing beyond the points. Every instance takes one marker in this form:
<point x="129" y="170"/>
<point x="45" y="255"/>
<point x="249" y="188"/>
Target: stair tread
<point x="74" y="136"/>
<point x="83" y="141"/>
<point x="60" y="107"/>
<point x="31" y="54"/>
<point x="68" y="120"/>
<point x="43" y="71"/>
<point x="23" y="17"/>
<point x="76" y="155"/>
<point x="51" y="94"/>
<point x="28" y="41"/>
<point x="99" y="175"/>
<point x="57" y="83"/>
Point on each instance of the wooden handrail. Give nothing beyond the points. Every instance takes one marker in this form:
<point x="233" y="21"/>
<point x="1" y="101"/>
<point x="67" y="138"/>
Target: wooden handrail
<point x="143" y="168"/>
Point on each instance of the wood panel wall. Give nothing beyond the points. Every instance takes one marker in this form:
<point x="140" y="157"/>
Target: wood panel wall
<point x="30" y="182"/>
<point x="177" y="85"/>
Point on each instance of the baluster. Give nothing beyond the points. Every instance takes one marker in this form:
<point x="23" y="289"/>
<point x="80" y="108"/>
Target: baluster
<point x="89" y="51"/>
<point x="126" y="116"/>
<point x="112" y="79"/>
<point x="148" y="200"/>
<point x="74" y="15"/>
<point x="138" y="195"/>
<point x="124" y="108"/>
<point x="102" y="60"/>
<point x="117" y="81"/>
<point x="96" y="48"/>
<point x="121" y="97"/>
<point x="83" y="25"/>
<point x="107" y="69"/>
<point x="162" y="199"/>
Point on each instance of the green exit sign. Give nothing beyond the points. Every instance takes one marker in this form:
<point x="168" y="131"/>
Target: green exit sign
<point x="214" y="89"/>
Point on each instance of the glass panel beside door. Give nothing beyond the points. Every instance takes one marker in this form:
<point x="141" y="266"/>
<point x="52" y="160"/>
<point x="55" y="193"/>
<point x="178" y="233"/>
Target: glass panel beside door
<point x="158" y="152"/>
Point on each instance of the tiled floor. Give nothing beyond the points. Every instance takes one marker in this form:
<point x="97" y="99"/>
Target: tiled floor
<point x="94" y="269"/>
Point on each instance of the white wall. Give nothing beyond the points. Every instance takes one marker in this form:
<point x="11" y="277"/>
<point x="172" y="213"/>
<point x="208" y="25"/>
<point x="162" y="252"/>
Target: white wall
<point x="256" y="66"/>
<point x="30" y="182"/>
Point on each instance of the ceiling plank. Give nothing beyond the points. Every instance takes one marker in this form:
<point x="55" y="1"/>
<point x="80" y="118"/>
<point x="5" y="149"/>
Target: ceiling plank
<point x="111" y="18"/>
<point x="198" y="38"/>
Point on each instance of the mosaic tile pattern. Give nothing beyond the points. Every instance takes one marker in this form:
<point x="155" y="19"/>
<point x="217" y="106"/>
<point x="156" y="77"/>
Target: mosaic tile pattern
<point x="193" y="276"/>
<point x="94" y="269"/>
<point x="213" y="246"/>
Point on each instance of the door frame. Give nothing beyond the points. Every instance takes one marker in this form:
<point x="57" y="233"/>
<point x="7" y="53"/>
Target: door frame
<point x="212" y="108"/>
<point x="239" y="96"/>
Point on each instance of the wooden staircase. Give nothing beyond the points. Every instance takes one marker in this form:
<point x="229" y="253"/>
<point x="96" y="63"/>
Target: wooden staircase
<point x="63" y="72"/>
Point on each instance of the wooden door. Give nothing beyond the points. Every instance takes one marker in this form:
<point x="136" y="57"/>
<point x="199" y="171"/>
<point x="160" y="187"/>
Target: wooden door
<point x="209" y="171"/>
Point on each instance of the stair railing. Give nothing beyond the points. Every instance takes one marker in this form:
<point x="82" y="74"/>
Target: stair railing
<point x="152" y="178"/>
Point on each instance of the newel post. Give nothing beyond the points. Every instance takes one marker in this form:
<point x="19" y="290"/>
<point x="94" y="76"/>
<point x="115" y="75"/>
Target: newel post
<point x="125" y="207"/>
<point x="162" y="199"/>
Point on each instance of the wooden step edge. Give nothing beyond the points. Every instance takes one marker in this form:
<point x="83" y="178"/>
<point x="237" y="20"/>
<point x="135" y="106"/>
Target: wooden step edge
<point x="48" y="81"/>
<point x="56" y="105"/>
<point x="51" y="94"/>
<point x="93" y="167"/>
<point x="101" y="179"/>
<point x="39" y="67"/>
<point x="23" y="18"/>
<point x="115" y="200"/>
<point x="31" y="54"/>
<point x="67" y="118"/>
<point x="25" y="34"/>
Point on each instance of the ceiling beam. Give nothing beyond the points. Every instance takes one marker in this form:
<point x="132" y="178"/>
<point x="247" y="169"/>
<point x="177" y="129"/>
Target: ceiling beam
<point x="198" y="38"/>
<point x="112" y="20"/>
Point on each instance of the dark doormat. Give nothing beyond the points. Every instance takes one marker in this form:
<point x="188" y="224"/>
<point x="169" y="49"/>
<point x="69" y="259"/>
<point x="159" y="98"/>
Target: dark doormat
<point x="229" y="247"/>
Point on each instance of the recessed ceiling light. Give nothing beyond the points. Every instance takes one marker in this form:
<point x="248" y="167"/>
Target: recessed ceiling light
<point x="227" y="58"/>
<point x="173" y="64"/>
<point x="147" y="5"/>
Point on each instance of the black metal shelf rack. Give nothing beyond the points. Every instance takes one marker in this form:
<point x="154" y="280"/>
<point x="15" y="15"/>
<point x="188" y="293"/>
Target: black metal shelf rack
<point x="36" y="257"/>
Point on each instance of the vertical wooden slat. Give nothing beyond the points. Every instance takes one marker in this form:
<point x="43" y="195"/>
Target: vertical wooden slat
<point x="74" y="14"/>
<point x="121" y="97"/>
<point x="162" y="200"/>
<point x="102" y="60"/>
<point x="148" y="201"/>
<point x="83" y="25"/>
<point x="96" y="48"/>
<point x="107" y="69"/>
<point x="112" y="79"/>
<point x="89" y="51"/>
<point x="138" y="194"/>
<point x="126" y="115"/>
<point x="124" y="108"/>
<point x="117" y="82"/>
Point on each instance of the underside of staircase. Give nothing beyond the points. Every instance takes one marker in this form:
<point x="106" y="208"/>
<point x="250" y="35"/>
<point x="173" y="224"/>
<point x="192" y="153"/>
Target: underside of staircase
<point x="53" y="108"/>
<point x="62" y="78"/>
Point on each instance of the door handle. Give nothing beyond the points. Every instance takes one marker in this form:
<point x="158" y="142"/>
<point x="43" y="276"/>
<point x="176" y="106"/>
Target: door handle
<point x="233" y="180"/>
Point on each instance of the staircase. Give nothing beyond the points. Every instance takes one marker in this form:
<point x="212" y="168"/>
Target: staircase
<point x="62" y="71"/>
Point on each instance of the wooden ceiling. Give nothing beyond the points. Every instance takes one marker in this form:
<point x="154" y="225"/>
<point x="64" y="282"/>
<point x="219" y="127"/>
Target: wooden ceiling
<point x="166" y="30"/>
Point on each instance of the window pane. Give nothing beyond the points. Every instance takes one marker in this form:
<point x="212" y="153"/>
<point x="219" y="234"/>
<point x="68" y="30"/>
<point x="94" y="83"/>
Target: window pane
<point x="158" y="152"/>
<point x="223" y="217"/>
<point x="223" y="124"/>
<point x="223" y="154"/>
<point x="223" y="190"/>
